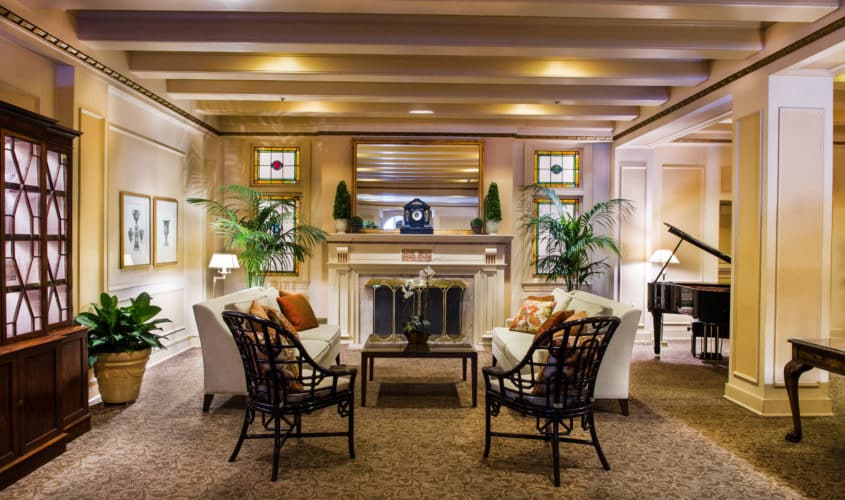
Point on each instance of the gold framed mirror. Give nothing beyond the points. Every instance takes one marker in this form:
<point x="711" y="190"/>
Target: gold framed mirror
<point x="445" y="174"/>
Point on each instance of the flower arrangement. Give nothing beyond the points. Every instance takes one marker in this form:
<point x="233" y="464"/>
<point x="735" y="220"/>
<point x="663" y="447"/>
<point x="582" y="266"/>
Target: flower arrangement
<point x="416" y="329"/>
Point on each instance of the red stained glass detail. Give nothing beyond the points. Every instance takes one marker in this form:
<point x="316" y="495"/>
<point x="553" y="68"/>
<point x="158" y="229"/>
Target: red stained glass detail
<point x="277" y="165"/>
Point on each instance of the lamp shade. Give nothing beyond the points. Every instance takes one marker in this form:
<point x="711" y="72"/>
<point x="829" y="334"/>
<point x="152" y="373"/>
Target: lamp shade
<point x="224" y="261"/>
<point x="663" y="255"/>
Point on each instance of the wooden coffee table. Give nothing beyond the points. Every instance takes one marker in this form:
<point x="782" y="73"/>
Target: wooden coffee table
<point x="463" y="351"/>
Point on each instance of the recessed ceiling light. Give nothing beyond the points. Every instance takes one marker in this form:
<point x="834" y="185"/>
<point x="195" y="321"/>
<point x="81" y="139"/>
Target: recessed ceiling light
<point x="421" y="112"/>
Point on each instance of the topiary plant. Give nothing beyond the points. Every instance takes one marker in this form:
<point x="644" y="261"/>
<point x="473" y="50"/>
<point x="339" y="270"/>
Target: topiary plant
<point x="492" y="205"/>
<point x="342" y="202"/>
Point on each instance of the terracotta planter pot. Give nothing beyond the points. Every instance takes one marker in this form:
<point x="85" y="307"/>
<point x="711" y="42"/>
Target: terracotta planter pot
<point x="119" y="375"/>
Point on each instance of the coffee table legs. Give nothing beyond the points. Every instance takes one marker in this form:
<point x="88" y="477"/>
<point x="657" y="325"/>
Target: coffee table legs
<point x="365" y="361"/>
<point x="474" y="380"/>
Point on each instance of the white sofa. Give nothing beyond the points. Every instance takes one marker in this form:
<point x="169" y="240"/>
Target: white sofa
<point x="223" y="372"/>
<point x="510" y="347"/>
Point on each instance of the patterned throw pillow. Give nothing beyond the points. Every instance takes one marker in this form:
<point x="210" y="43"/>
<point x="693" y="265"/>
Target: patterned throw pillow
<point x="291" y="369"/>
<point x="532" y="315"/>
<point x="280" y="319"/>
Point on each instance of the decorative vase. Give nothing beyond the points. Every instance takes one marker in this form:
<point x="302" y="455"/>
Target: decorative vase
<point x="340" y="225"/>
<point x="119" y="375"/>
<point x="492" y="226"/>
<point x="416" y="336"/>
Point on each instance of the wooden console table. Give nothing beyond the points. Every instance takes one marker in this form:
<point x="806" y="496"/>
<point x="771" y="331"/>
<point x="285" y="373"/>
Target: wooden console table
<point x="825" y="354"/>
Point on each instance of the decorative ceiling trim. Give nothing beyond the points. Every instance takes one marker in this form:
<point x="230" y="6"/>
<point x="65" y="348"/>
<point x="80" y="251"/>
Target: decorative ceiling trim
<point x="691" y="140"/>
<point x="751" y="68"/>
<point x="580" y="138"/>
<point x="102" y="68"/>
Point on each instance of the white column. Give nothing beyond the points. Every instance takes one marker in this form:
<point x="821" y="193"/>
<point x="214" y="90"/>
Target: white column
<point x="782" y="237"/>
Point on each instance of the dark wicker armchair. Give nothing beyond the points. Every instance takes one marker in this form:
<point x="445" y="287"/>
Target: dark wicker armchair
<point x="553" y="383"/>
<point x="283" y="383"/>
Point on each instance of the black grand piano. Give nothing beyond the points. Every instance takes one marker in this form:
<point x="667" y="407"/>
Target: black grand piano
<point x="708" y="303"/>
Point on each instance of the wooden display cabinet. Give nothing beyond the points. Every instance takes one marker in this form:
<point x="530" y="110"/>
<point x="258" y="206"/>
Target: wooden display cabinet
<point x="43" y="356"/>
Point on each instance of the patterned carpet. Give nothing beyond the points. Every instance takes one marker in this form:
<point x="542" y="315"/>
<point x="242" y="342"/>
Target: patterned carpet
<point x="419" y="438"/>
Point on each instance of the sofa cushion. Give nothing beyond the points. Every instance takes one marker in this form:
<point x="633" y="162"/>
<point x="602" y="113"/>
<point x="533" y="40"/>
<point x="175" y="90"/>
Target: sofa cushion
<point x="317" y="349"/>
<point x="561" y="298"/>
<point x="297" y="309"/>
<point x="531" y="316"/>
<point x="582" y="302"/>
<point x="244" y="305"/>
<point x="326" y="333"/>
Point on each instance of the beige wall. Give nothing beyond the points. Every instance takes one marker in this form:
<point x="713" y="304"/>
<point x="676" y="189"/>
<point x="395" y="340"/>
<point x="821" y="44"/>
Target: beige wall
<point x="127" y="145"/>
<point x="837" y="282"/>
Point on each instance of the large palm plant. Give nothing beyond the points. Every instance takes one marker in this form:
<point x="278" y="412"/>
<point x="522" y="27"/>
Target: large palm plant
<point x="571" y="240"/>
<point x="252" y="226"/>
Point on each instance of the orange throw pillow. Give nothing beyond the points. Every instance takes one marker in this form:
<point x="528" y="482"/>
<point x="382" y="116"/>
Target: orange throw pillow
<point x="297" y="309"/>
<point x="554" y="321"/>
<point x="541" y="298"/>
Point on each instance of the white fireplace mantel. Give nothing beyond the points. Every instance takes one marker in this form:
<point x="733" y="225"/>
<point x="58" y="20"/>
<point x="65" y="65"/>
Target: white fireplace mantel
<point x="483" y="259"/>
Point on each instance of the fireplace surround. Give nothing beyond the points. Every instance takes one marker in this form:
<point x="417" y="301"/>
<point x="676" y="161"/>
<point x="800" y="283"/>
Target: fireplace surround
<point x="478" y="261"/>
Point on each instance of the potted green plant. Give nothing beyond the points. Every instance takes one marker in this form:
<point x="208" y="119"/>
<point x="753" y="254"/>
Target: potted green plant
<point x="356" y="223"/>
<point x="120" y="340"/>
<point x="492" y="209"/>
<point x="572" y="239"/>
<point x="251" y="225"/>
<point x="342" y="207"/>
<point x="476" y="225"/>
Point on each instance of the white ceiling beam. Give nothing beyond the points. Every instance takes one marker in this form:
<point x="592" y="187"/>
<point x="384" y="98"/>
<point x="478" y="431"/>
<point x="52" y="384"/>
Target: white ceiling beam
<point x="377" y="109"/>
<point x="410" y="69"/>
<point x="422" y="35"/>
<point x="265" y="90"/>
<point x="728" y="10"/>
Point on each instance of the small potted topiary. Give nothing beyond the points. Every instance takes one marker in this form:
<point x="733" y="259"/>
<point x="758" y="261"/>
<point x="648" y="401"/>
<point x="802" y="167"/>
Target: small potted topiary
<point x="120" y="340"/>
<point x="492" y="209"/>
<point x="476" y="225"/>
<point x="342" y="207"/>
<point x="356" y="223"/>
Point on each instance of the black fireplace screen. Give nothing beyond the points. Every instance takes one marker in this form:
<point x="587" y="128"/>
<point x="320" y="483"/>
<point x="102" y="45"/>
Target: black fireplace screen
<point x="391" y="310"/>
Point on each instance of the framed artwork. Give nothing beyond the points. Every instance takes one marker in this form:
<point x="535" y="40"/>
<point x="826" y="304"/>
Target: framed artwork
<point x="165" y="237"/>
<point x="135" y="233"/>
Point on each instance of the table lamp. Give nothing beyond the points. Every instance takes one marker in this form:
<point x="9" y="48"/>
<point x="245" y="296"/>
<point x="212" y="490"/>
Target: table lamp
<point x="224" y="263"/>
<point x="663" y="257"/>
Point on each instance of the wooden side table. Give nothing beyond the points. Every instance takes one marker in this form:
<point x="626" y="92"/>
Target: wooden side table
<point x="826" y="354"/>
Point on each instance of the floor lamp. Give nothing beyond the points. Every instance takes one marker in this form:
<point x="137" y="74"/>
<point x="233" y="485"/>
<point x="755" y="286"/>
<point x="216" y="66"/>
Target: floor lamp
<point x="224" y="263"/>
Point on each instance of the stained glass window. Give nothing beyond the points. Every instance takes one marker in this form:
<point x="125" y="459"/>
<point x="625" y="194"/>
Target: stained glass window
<point x="557" y="168"/>
<point x="272" y="165"/>
<point x="286" y="265"/>
<point x="543" y="240"/>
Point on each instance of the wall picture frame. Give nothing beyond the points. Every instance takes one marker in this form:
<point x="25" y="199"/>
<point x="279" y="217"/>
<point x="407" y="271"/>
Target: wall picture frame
<point x="166" y="233"/>
<point x="135" y="235"/>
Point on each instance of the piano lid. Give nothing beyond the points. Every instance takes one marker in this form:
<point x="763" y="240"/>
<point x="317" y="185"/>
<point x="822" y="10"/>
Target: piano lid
<point x="700" y="244"/>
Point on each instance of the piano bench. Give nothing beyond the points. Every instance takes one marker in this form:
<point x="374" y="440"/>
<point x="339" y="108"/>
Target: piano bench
<point x="708" y="333"/>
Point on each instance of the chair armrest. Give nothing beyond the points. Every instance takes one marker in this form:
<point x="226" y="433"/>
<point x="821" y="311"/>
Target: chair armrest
<point x="493" y="370"/>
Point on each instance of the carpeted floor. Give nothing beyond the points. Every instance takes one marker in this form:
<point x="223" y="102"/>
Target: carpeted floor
<point x="420" y="439"/>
